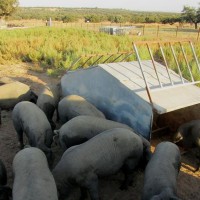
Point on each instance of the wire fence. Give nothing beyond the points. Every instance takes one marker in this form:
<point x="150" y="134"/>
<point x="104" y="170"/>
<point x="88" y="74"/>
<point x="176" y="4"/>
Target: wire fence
<point x="140" y="30"/>
<point x="166" y="31"/>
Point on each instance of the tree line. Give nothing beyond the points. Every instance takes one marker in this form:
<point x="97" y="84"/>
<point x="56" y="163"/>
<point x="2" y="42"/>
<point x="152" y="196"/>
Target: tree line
<point x="10" y="8"/>
<point x="94" y="15"/>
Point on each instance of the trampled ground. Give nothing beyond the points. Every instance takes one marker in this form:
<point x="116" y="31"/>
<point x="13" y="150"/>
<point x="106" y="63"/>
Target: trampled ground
<point x="188" y="182"/>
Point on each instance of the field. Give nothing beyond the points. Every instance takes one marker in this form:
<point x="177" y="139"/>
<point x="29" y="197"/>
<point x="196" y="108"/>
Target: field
<point x="188" y="182"/>
<point x="55" y="48"/>
<point x="40" y="55"/>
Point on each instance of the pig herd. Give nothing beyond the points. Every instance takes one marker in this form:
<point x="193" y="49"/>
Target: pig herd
<point x="92" y="147"/>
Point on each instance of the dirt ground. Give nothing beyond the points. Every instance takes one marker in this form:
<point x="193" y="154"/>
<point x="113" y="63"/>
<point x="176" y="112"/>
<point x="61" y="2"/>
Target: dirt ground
<point x="188" y="184"/>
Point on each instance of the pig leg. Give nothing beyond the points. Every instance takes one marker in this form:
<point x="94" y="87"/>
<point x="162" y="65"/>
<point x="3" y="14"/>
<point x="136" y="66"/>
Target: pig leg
<point x="5" y="192"/>
<point x="20" y="137"/>
<point x="83" y="193"/>
<point x="128" y="170"/>
<point x="57" y="115"/>
<point x="128" y="181"/>
<point x="198" y="164"/>
<point x="91" y="183"/>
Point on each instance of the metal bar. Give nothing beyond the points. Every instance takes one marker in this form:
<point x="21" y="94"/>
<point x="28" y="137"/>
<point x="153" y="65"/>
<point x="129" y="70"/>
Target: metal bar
<point x="166" y="65"/>
<point x="89" y="56"/>
<point x="161" y="42"/>
<point x="108" y="58"/>
<point x="159" y="129"/>
<point x="174" y="86"/>
<point x="184" y="55"/>
<point x="154" y="65"/>
<point x="86" y="61"/>
<point x="175" y="58"/>
<point x="149" y="95"/>
<point x="142" y="71"/>
<point x="117" y="58"/>
<point x="97" y="60"/>
<point x="73" y="63"/>
<point x="195" y="56"/>
<point x="104" y="54"/>
<point x="125" y="57"/>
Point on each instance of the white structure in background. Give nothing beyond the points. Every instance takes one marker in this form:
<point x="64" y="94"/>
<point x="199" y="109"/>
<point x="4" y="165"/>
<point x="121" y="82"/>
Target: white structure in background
<point x="49" y="22"/>
<point x="116" y="30"/>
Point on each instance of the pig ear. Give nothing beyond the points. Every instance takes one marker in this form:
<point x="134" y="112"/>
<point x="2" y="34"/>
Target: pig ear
<point x="56" y="139"/>
<point x="55" y="132"/>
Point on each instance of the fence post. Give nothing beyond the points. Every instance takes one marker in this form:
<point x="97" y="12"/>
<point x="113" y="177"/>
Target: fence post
<point x="143" y="30"/>
<point x="176" y="31"/>
<point x="198" y="34"/>
<point x="158" y="30"/>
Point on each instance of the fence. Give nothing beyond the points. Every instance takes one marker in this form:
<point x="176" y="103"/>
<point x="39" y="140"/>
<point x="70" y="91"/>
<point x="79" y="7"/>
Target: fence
<point x="85" y="61"/>
<point x="178" y="68"/>
<point x="140" y="29"/>
<point x="166" y="31"/>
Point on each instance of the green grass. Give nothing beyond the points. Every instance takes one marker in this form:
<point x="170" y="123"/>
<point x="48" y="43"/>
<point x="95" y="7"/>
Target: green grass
<point x="54" y="49"/>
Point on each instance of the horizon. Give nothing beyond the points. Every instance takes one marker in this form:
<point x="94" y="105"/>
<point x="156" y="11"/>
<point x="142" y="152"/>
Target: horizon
<point x="132" y="5"/>
<point x="96" y="8"/>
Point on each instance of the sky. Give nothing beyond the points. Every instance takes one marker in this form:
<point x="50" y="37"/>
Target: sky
<point x="136" y="5"/>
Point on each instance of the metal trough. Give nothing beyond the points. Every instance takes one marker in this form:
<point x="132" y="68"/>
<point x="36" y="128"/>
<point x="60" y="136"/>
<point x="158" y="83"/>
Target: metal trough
<point x="129" y="91"/>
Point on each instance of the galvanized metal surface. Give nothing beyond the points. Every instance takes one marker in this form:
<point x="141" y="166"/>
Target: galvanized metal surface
<point x="164" y="99"/>
<point x="128" y="91"/>
<point x="106" y="91"/>
<point x="170" y="79"/>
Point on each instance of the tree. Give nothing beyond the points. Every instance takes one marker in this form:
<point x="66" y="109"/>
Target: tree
<point x="7" y="7"/>
<point x="94" y="18"/>
<point x="171" y="20"/>
<point x="191" y="15"/>
<point x="116" y="19"/>
<point x="69" y="18"/>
